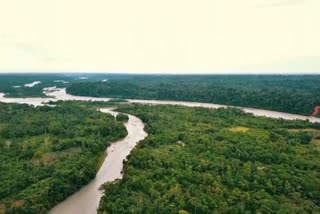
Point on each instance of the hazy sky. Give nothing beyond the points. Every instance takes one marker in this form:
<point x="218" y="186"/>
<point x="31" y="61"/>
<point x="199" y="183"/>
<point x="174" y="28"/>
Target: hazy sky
<point x="166" y="36"/>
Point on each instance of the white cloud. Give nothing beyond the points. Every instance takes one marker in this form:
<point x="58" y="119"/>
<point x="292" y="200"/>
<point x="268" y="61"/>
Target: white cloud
<point x="159" y="36"/>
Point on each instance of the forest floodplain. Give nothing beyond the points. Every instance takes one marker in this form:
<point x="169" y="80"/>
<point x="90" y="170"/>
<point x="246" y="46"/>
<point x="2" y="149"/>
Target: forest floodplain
<point x="194" y="162"/>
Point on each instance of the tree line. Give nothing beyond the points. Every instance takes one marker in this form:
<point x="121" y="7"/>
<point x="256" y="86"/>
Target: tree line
<point x="293" y="94"/>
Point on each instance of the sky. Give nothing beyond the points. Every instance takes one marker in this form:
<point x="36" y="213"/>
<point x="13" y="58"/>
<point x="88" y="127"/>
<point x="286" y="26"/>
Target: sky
<point x="160" y="36"/>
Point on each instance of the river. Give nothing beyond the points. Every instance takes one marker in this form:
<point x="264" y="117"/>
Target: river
<point x="87" y="199"/>
<point x="60" y="94"/>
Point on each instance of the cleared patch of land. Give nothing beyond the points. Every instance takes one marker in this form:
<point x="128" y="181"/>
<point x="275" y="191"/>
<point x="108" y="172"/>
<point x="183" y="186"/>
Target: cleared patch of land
<point x="239" y="129"/>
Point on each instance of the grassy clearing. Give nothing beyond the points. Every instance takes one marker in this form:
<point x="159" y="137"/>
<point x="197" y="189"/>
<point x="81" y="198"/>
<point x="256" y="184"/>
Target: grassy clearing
<point x="239" y="129"/>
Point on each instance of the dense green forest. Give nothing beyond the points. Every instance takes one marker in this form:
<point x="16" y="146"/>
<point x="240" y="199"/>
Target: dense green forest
<point x="287" y="93"/>
<point x="122" y="118"/>
<point x="198" y="160"/>
<point x="13" y="84"/>
<point x="48" y="153"/>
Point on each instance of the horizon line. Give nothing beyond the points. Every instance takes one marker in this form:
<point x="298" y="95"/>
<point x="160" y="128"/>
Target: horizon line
<point x="156" y="73"/>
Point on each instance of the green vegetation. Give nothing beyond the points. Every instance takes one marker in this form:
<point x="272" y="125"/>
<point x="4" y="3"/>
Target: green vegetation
<point x="13" y="84"/>
<point x="198" y="160"/>
<point x="195" y="160"/>
<point x="122" y="118"/>
<point x="117" y="100"/>
<point x="48" y="153"/>
<point x="293" y="94"/>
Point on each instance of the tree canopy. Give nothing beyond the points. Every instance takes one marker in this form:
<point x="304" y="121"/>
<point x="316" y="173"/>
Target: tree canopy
<point x="198" y="160"/>
<point x="293" y="94"/>
<point x="48" y="153"/>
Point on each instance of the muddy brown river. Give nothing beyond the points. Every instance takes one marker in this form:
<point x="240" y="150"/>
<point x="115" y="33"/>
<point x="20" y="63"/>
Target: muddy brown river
<point x="86" y="200"/>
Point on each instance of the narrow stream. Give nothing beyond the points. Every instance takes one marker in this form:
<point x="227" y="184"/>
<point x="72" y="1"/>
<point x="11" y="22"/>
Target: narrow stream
<point x="86" y="200"/>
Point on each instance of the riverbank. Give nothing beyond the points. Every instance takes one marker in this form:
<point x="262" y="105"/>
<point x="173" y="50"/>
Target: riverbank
<point x="86" y="200"/>
<point x="56" y="94"/>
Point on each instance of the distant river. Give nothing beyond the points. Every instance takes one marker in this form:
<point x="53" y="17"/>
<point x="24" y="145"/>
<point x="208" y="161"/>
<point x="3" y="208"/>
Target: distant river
<point x="60" y="94"/>
<point x="87" y="199"/>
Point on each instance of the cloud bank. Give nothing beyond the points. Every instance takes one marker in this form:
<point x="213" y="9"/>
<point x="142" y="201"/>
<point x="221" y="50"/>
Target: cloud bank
<point x="160" y="36"/>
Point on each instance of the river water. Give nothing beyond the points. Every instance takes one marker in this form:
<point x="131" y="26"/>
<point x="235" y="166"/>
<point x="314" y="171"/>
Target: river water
<point x="60" y="94"/>
<point x="87" y="199"/>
